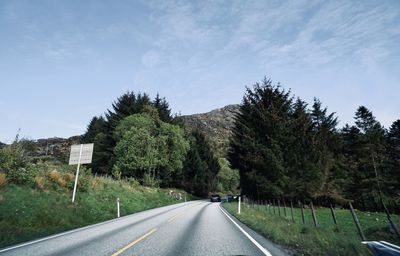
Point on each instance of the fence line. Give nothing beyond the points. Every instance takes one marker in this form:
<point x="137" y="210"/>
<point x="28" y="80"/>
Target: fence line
<point x="273" y="206"/>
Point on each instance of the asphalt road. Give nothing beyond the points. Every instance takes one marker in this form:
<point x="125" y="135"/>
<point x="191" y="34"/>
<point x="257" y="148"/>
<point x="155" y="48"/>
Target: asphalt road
<point x="192" y="228"/>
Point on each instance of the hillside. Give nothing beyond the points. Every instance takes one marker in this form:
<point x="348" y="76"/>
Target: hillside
<point x="216" y="125"/>
<point x="42" y="205"/>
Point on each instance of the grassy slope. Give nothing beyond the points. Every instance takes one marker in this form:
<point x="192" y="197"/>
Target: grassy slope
<point x="324" y="240"/>
<point x="27" y="213"/>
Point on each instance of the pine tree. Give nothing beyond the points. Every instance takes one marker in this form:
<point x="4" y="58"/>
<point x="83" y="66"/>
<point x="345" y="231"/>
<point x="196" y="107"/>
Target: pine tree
<point x="326" y="145"/>
<point x="162" y="106"/>
<point x="201" y="166"/>
<point x="392" y="173"/>
<point x="304" y="179"/>
<point x="96" y="125"/>
<point x="366" y="159"/>
<point x="126" y="105"/>
<point x="259" y="139"/>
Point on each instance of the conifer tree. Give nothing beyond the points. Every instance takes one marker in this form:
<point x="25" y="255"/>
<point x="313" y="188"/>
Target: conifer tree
<point x="259" y="139"/>
<point x="392" y="173"/>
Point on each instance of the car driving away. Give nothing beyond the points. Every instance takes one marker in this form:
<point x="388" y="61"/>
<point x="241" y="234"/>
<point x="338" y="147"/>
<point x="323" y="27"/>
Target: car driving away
<point x="215" y="198"/>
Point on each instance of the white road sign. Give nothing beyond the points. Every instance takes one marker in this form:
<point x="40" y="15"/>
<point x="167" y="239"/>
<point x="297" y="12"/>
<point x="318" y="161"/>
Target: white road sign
<point x="85" y="156"/>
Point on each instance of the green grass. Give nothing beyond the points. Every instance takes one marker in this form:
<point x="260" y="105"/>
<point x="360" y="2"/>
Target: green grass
<point x="326" y="239"/>
<point x="27" y="213"/>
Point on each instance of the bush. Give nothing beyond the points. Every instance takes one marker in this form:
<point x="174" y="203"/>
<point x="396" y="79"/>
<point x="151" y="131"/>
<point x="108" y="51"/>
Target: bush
<point x="116" y="172"/>
<point x="96" y="182"/>
<point x="84" y="179"/>
<point x="22" y="176"/>
<point x="3" y="179"/>
<point x="40" y="182"/>
<point x="133" y="182"/>
<point x="12" y="158"/>
<point x="57" y="177"/>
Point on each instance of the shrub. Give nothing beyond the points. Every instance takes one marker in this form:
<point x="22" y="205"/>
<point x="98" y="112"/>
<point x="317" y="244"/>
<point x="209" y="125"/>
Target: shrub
<point x="40" y="182"/>
<point x="57" y="177"/>
<point x="95" y="182"/>
<point x="133" y="182"/>
<point x="69" y="179"/>
<point x="3" y="179"/>
<point x="84" y="179"/>
<point x="116" y="172"/>
<point x="12" y="158"/>
<point x="22" y="176"/>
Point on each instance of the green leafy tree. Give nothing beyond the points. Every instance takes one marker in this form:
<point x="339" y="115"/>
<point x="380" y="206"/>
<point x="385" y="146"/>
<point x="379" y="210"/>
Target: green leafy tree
<point x="228" y="178"/>
<point x="137" y="153"/>
<point x="101" y="130"/>
<point x="149" y="149"/>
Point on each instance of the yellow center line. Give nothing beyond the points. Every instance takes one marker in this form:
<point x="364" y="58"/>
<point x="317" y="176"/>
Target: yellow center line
<point x="135" y="242"/>
<point x="176" y="216"/>
<point x="180" y="214"/>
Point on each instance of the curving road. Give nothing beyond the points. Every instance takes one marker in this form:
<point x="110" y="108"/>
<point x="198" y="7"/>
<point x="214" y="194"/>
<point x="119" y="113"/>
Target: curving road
<point x="192" y="228"/>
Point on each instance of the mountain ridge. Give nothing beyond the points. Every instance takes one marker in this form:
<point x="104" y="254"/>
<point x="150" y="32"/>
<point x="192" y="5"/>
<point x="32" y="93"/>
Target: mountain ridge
<point x="216" y="125"/>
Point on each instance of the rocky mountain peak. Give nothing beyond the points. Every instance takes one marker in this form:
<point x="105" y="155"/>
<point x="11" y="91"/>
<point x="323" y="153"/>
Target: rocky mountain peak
<point x="216" y="125"/>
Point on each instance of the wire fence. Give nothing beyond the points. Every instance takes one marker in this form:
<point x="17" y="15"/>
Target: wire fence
<point x="306" y="213"/>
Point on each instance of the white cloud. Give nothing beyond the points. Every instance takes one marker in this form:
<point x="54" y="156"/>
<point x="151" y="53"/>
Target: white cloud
<point x="151" y="59"/>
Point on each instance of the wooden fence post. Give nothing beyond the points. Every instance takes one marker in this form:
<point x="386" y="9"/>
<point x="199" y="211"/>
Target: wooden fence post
<point x="360" y="232"/>
<point x="284" y="208"/>
<point x="390" y="220"/>
<point x="302" y="212"/>
<point x="313" y="215"/>
<point x="291" y="210"/>
<point x="333" y="215"/>
<point x="279" y="207"/>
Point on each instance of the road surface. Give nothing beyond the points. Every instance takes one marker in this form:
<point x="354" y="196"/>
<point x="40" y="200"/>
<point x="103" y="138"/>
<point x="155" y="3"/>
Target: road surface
<point x="192" y="228"/>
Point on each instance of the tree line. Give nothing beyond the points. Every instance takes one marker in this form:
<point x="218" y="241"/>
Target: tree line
<point x="139" y="138"/>
<point x="285" y="148"/>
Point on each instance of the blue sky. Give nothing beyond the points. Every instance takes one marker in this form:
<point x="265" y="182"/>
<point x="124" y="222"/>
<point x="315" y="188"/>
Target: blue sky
<point x="62" y="62"/>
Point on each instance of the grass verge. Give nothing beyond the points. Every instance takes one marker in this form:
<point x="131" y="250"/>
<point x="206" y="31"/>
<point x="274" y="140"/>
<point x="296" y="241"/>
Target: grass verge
<point x="28" y="213"/>
<point x="326" y="239"/>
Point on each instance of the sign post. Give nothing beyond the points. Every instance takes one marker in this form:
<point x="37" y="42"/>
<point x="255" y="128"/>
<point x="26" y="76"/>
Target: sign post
<point x="80" y="154"/>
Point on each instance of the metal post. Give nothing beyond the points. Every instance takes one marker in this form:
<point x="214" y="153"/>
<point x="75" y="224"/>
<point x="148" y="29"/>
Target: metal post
<point x="313" y="215"/>
<point x="118" y="207"/>
<point x="77" y="173"/>
<point x="239" y="205"/>
<point x="360" y="232"/>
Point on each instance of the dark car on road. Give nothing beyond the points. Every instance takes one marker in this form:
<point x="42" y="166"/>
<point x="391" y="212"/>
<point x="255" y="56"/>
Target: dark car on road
<point x="215" y="198"/>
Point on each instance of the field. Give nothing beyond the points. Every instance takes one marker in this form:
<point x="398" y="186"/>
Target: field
<point x="28" y="212"/>
<point x="326" y="239"/>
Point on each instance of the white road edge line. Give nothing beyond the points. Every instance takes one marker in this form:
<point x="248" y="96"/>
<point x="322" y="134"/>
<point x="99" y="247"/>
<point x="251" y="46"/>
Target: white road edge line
<point x="259" y="246"/>
<point x="81" y="229"/>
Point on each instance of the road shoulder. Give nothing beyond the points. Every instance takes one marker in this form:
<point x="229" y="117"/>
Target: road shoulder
<point x="273" y="248"/>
